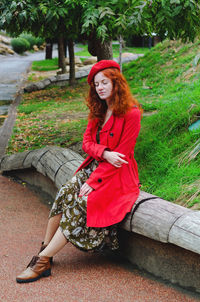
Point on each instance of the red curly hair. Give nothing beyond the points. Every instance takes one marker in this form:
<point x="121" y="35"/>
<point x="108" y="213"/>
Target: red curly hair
<point x="121" y="99"/>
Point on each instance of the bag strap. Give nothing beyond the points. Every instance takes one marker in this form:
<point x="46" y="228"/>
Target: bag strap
<point x="136" y="207"/>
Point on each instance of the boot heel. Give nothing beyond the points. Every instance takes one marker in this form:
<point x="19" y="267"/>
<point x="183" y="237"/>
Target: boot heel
<point x="46" y="273"/>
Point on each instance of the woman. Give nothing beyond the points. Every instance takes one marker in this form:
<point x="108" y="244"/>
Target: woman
<point x="89" y="207"/>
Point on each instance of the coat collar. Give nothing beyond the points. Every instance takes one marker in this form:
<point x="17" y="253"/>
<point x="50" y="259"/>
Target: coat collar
<point x="119" y="121"/>
<point x="112" y="120"/>
<point x="108" y="125"/>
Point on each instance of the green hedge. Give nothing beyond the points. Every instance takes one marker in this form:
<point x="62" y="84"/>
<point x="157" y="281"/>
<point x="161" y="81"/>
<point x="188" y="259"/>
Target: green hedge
<point x="25" y="42"/>
<point x="31" y="39"/>
<point x="20" y="45"/>
<point x="39" y="41"/>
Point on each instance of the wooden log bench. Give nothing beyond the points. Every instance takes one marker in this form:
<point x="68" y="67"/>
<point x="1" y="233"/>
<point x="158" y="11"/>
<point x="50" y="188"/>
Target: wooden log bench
<point x="162" y="238"/>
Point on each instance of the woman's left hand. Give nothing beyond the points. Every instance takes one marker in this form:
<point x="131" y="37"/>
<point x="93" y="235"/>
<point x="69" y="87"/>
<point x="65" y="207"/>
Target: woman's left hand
<point x="114" y="158"/>
<point x="85" y="190"/>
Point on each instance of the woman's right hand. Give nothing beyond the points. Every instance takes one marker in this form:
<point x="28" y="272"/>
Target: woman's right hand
<point x="114" y="158"/>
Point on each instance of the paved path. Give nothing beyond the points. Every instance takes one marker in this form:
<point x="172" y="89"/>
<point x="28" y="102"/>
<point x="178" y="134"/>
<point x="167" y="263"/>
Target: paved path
<point x="13" y="70"/>
<point x="76" y="276"/>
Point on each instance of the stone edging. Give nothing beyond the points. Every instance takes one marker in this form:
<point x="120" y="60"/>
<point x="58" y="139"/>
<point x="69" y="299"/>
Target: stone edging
<point x="61" y="79"/>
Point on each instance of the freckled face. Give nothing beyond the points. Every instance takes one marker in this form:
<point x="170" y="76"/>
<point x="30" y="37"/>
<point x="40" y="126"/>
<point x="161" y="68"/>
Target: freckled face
<point x="103" y="86"/>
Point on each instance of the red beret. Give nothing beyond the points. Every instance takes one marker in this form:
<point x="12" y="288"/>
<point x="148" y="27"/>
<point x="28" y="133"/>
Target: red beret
<point x="103" y="64"/>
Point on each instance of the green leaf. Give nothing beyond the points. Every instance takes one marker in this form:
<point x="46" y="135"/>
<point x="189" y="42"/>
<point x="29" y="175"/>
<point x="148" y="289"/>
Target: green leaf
<point x="102" y="32"/>
<point x="175" y="2"/>
<point x="13" y="5"/>
<point x="176" y="11"/>
<point x="105" y="11"/>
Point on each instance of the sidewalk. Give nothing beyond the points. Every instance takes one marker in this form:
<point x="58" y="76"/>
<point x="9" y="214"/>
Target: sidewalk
<point x="76" y="276"/>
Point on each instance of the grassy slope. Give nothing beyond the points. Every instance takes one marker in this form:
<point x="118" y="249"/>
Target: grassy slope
<point x="54" y="116"/>
<point x="165" y="80"/>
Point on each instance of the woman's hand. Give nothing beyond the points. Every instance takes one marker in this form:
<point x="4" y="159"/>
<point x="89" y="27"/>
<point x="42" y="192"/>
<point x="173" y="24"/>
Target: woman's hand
<point x="114" y="158"/>
<point x="85" y="190"/>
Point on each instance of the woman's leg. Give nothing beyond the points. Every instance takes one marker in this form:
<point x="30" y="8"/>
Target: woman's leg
<point x="52" y="226"/>
<point x="55" y="245"/>
<point x="40" y="265"/>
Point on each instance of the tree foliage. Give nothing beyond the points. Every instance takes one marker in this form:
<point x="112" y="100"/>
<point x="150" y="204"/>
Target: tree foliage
<point x="171" y="18"/>
<point x="167" y="18"/>
<point x="112" y="18"/>
<point x="46" y="18"/>
<point x="175" y="19"/>
<point x="106" y="20"/>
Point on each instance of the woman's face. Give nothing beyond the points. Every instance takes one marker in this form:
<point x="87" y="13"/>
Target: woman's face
<point x="103" y="86"/>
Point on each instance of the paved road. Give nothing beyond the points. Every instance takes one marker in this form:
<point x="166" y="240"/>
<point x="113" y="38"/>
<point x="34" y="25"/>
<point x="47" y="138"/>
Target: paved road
<point x="76" y="276"/>
<point x="13" y="70"/>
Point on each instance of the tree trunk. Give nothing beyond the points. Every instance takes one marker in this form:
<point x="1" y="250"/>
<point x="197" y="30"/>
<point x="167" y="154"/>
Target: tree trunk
<point x="61" y="53"/>
<point x="120" y="51"/>
<point x="72" y="79"/>
<point x="59" y="64"/>
<point x="65" y="49"/>
<point x="103" y="50"/>
<point x="48" y="51"/>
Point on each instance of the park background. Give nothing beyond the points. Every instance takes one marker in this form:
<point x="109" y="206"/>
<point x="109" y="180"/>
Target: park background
<point x="165" y="81"/>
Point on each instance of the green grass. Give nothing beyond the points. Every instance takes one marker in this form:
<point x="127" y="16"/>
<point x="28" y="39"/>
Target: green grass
<point x="34" y="78"/>
<point x="45" y="65"/>
<point x="55" y="116"/>
<point x="161" y="81"/>
<point x="137" y="50"/>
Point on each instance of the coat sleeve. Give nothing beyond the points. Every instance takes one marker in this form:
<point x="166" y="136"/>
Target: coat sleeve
<point x="126" y="145"/>
<point x="90" y="146"/>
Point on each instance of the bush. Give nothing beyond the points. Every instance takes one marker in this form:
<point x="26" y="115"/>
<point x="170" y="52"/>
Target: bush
<point x="20" y="45"/>
<point x="31" y="39"/>
<point x="39" y="41"/>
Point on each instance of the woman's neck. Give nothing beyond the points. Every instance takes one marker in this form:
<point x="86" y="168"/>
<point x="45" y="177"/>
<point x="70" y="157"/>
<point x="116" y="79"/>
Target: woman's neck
<point x="107" y="116"/>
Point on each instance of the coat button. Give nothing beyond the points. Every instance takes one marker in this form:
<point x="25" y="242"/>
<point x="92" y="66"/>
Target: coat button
<point x="111" y="134"/>
<point x="99" y="180"/>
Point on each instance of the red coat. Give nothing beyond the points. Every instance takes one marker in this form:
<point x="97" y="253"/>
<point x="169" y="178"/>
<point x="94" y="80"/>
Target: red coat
<point x="115" y="189"/>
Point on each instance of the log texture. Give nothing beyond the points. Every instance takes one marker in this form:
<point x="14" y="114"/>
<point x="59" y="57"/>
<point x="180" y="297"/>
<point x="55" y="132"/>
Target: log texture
<point x="58" y="164"/>
<point x="156" y="219"/>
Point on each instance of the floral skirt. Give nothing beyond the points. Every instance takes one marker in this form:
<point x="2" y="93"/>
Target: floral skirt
<point x="73" y="221"/>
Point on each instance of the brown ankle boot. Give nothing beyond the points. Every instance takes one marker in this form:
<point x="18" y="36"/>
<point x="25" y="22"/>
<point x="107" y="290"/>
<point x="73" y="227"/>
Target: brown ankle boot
<point x="32" y="262"/>
<point x="39" y="267"/>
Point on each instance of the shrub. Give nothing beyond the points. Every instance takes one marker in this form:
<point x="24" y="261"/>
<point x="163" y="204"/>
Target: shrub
<point x="31" y="39"/>
<point x="20" y="45"/>
<point x="39" y="41"/>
